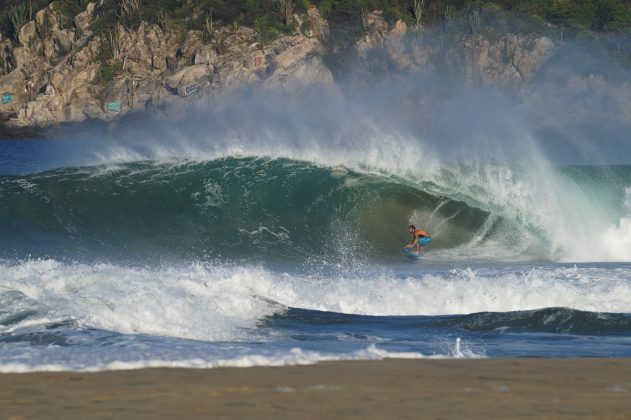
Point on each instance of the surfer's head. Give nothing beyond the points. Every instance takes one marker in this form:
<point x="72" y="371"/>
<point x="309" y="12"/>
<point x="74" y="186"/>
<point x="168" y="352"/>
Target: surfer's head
<point x="411" y="228"/>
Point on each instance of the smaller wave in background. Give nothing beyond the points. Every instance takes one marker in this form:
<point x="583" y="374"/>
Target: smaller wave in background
<point x="227" y="303"/>
<point x="548" y="320"/>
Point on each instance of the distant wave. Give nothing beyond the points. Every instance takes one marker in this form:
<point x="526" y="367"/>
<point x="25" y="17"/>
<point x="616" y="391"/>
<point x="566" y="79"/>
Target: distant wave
<point x="550" y="320"/>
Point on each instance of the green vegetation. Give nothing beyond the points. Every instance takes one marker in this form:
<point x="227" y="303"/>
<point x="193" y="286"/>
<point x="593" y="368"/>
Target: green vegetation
<point x="14" y="13"/>
<point x="18" y="15"/>
<point x="592" y="19"/>
<point x="273" y="17"/>
<point x="68" y="9"/>
<point x="108" y="71"/>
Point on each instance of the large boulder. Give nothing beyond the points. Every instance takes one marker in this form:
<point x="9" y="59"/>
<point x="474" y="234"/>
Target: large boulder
<point x="156" y="43"/>
<point x="531" y="54"/>
<point x="40" y="112"/>
<point x="318" y="26"/>
<point x="205" y="55"/>
<point x="83" y="20"/>
<point x="376" y="32"/>
<point x="511" y="60"/>
<point x="64" y="41"/>
<point x="398" y="31"/>
<point x="13" y="83"/>
<point x="93" y="110"/>
<point x="23" y="58"/>
<point x="46" y="20"/>
<point x="80" y="99"/>
<point x="379" y="35"/>
<point x="228" y="40"/>
<point x="192" y="43"/>
<point x="297" y="62"/>
<point x="27" y="33"/>
<point x="67" y="83"/>
<point x="86" y="55"/>
<point x="190" y="79"/>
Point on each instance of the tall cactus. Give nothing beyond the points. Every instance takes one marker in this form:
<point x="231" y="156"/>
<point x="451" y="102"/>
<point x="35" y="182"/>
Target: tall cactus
<point x="112" y="38"/>
<point x="450" y="14"/>
<point x="17" y="16"/>
<point x="286" y="10"/>
<point x="129" y="7"/>
<point x="475" y="21"/>
<point x="418" y="7"/>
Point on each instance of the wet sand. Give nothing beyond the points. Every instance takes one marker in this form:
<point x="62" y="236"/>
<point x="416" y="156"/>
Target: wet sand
<point x="427" y="389"/>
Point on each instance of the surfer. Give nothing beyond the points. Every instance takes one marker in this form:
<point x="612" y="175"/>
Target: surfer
<point x="421" y="237"/>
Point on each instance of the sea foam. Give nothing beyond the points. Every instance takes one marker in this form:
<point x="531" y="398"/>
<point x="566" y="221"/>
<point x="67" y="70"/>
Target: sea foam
<point x="221" y="302"/>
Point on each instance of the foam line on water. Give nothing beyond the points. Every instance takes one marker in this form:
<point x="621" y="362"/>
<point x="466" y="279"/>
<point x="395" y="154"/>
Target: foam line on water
<point x="293" y="357"/>
<point x="212" y="303"/>
<point x="460" y="291"/>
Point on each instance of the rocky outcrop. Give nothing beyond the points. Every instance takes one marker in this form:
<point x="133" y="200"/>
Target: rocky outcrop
<point x="507" y="61"/>
<point x="61" y="75"/>
<point x="318" y="27"/>
<point x="377" y="32"/>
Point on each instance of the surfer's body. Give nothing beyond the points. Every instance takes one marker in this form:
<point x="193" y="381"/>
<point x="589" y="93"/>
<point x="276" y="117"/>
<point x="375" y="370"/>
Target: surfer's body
<point x="420" y="238"/>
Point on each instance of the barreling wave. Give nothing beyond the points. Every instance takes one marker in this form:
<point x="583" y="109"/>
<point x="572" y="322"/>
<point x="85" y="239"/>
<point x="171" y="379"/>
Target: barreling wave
<point x="259" y="208"/>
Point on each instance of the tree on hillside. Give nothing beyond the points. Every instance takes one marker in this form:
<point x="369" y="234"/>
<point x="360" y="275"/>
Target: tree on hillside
<point x="286" y="10"/>
<point x="418" y="7"/>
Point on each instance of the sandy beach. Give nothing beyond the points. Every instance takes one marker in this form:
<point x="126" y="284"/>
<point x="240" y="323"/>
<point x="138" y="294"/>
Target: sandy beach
<point x="466" y="389"/>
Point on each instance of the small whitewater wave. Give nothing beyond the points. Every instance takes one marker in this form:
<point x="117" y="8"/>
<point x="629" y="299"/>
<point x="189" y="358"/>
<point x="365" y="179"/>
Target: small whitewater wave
<point x="292" y="357"/>
<point x="196" y="303"/>
<point x="223" y="302"/>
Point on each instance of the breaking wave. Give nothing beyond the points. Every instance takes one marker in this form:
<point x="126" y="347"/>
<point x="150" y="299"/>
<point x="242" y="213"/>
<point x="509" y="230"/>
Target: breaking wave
<point x="228" y="303"/>
<point x="266" y="209"/>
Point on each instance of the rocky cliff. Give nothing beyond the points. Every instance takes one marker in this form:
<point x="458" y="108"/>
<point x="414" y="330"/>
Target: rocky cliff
<point x="55" y="74"/>
<point x="58" y="75"/>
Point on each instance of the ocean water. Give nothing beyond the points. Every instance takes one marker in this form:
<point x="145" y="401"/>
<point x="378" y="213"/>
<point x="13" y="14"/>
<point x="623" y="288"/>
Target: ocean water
<point x="116" y="256"/>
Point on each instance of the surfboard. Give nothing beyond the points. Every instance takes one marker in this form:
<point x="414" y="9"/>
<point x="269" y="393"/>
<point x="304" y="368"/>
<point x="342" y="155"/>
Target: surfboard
<point x="411" y="253"/>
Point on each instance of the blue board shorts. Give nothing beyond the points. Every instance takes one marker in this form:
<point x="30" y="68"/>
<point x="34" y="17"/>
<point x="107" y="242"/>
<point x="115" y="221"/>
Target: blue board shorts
<point x="425" y="240"/>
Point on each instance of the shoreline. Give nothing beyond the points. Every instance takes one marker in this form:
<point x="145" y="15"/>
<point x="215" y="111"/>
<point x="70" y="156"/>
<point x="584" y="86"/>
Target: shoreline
<point x="392" y="388"/>
<point x="90" y="128"/>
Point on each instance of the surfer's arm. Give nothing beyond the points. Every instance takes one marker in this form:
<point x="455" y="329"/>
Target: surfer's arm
<point x="411" y="244"/>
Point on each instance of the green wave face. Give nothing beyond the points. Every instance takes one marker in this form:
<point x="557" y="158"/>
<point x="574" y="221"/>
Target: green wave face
<point x="225" y="208"/>
<point x="258" y="209"/>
